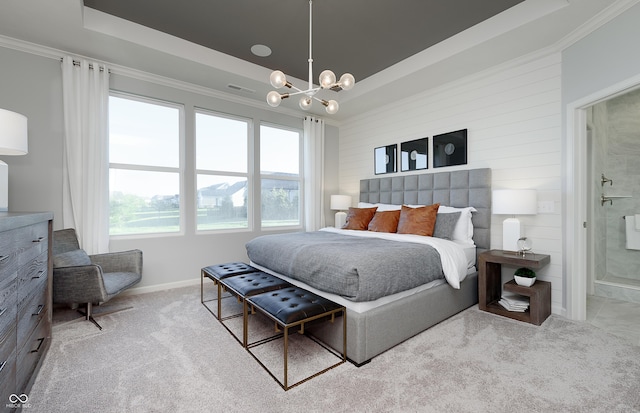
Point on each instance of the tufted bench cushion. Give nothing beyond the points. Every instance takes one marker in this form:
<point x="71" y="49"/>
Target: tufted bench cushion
<point x="220" y="271"/>
<point x="257" y="282"/>
<point x="247" y="285"/>
<point x="290" y="305"/>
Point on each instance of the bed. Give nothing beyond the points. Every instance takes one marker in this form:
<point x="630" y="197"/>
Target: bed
<point x="379" y="320"/>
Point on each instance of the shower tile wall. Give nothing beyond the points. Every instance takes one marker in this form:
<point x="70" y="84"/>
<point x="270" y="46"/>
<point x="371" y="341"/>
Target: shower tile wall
<point x="622" y="156"/>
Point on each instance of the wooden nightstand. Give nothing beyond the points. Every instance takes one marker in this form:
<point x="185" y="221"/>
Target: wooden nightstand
<point x="490" y="285"/>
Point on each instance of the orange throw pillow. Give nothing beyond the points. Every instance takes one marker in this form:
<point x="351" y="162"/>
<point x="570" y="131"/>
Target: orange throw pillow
<point x="418" y="221"/>
<point x="359" y="218"/>
<point x="385" y="221"/>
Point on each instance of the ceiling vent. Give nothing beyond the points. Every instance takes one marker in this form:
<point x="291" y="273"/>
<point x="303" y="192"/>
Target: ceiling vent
<point x="240" y="88"/>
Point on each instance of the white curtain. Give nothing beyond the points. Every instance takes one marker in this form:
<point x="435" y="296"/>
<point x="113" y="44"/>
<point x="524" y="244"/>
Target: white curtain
<point x="85" y="167"/>
<point x="314" y="173"/>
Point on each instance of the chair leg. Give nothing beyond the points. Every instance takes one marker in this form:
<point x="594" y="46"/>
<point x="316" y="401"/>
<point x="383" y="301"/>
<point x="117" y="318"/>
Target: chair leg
<point x="88" y="315"/>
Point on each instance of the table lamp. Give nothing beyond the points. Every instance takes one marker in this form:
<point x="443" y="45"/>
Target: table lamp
<point x="13" y="141"/>
<point x="340" y="203"/>
<point x="513" y="202"/>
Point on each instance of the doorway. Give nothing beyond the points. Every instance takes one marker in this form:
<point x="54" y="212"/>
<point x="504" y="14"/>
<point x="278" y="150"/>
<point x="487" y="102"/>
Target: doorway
<point x="613" y="153"/>
<point x="585" y="216"/>
<point x="603" y="280"/>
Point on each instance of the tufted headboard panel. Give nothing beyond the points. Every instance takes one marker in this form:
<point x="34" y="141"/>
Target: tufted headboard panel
<point x="470" y="187"/>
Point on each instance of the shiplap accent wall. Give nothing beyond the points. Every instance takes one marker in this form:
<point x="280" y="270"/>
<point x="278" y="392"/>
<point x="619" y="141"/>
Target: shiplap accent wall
<point x="513" y="117"/>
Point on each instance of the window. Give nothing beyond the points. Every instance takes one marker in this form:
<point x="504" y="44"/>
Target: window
<point x="222" y="154"/>
<point x="280" y="178"/>
<point x="144" y="166"/>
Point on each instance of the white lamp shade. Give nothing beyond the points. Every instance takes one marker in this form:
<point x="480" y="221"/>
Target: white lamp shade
<point x="515" y="202"/>
<point x="13" y="133"/>
<point x="340" y="202"/>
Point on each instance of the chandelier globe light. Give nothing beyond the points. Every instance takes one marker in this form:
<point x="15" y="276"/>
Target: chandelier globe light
<point x="327" y="80"/>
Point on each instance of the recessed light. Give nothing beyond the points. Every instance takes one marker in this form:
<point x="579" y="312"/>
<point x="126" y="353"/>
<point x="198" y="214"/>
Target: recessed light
<point x="261" y="50"/>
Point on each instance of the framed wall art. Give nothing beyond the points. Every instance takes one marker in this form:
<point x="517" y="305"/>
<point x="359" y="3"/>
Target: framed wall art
<point x="450" y="149"/>
<point x="414" y="155"/>
<point x="385" y="159"/>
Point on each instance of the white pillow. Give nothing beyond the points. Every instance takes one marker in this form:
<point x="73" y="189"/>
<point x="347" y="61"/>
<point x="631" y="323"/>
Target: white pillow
<point x="463" y="232"/>
<point x="381" y="207"/>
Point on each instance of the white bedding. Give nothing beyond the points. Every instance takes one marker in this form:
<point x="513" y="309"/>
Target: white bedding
<point x="452" y="255"/>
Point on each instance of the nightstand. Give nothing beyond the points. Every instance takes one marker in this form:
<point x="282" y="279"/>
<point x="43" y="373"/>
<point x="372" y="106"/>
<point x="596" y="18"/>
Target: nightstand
<point x="490" y="285"/>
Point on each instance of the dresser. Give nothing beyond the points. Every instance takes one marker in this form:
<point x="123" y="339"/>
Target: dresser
<point x="25" y="302"/>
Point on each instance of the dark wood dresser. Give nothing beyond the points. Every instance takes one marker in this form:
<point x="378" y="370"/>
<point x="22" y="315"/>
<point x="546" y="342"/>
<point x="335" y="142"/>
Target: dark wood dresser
<point x="25" y="302"/>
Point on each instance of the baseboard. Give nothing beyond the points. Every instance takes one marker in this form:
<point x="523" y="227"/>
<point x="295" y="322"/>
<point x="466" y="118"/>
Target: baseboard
<point x="160" y="287"/>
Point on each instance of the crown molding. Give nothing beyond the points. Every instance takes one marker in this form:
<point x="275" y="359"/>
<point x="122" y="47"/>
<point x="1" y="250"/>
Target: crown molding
<point x="57" y="54"/>
<point x="597" y="21"/>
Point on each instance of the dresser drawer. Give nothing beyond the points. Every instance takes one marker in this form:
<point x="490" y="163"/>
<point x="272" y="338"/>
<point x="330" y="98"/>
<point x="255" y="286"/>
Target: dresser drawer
<point x="33" y="310"/>
<point x="19" y="246"/>
<point x="21" y="237"/>
<point x="32" y="276"/>
<point x="8" y="302"/>
<point x="7" y="367"/>
<point x="30" y="353"/>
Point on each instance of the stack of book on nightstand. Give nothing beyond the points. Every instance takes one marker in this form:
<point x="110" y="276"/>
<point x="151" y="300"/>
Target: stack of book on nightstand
<point x="514" y="302"/>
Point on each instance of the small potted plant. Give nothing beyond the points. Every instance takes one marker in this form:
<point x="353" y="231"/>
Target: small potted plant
<point x="525" y="277"/>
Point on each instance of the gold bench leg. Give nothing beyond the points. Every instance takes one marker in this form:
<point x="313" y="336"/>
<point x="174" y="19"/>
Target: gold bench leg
<point x="286" y="354"/>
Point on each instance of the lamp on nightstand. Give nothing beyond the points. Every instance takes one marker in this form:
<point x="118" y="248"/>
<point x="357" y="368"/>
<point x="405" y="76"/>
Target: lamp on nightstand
<point x="513" y="202"/>
<point x="340" y="203"/>
<point x="13" y="141"/>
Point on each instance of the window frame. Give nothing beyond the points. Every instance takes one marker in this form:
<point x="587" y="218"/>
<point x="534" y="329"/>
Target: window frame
<point x="249" y="174"/>
<point x="148" y="168"/>
<point x="300" y="179"/>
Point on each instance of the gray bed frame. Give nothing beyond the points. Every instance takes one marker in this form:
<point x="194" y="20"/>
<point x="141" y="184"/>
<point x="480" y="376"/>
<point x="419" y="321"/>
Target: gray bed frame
<point x="377" y="330"/>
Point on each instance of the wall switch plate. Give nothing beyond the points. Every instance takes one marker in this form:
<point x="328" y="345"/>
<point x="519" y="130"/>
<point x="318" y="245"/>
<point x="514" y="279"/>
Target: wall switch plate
<point x="546" y="207"/>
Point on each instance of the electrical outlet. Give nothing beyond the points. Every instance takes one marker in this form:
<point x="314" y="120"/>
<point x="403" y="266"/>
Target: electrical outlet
<point x="546" y="207"/>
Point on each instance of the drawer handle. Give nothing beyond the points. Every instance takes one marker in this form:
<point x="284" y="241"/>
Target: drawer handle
<point x="39" y="274"/>
<point x="41" y="340"/>
<point x="40" y="307"/>
<point x="39" y="239"/>
<point x="4" y="363"/>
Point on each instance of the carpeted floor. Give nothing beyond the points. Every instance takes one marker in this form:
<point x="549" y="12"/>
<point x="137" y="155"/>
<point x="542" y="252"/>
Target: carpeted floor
<point x="168" y="354"/>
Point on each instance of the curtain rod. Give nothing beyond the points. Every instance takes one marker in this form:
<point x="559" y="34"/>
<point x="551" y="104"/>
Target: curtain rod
<point x="77" y="63"/>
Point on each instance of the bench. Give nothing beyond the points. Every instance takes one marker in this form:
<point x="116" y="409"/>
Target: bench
<point x="293" y="307"/>
<point x="216" y="273"/>
<point x="281" y="302"/>
<point x="247" y="285"/>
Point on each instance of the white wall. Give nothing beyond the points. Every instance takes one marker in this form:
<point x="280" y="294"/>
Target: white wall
<point x="603" y="58"/>
<point x="512" y="114"/>
<point x="32" y="85"/>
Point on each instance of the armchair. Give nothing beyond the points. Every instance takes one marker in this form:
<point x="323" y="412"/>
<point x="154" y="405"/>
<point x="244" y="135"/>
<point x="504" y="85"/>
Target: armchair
<point x="79" y="278"/>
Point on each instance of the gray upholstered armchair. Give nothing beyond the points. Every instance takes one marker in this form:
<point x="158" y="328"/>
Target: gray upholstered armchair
<point x="79" y="278"/>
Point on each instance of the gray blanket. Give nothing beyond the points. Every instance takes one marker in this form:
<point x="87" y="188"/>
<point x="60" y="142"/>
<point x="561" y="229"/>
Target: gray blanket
<point x="360" y="269"/>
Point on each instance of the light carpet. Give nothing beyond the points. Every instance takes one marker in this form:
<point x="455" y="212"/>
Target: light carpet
<point x="169" y="354"/>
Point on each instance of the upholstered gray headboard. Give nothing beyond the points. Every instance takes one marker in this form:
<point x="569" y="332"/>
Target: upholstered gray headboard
<point x="470" y="187"/>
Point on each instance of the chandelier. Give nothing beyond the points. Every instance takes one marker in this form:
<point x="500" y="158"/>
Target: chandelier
<point x="327" y="81"/>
